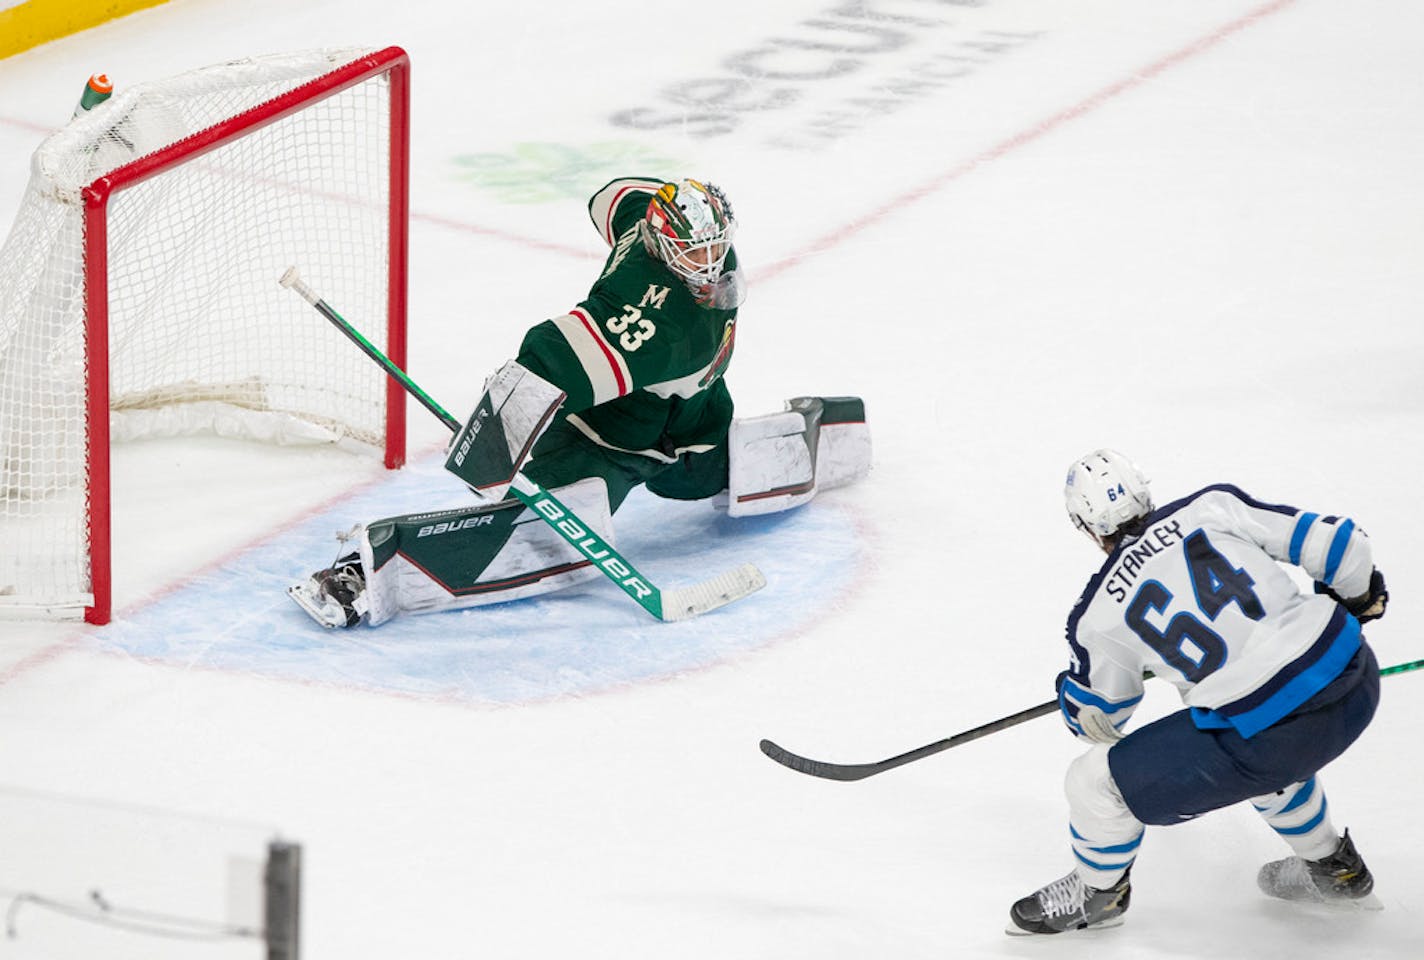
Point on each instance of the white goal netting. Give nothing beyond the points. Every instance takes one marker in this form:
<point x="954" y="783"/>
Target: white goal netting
<point x="199" y="334"/>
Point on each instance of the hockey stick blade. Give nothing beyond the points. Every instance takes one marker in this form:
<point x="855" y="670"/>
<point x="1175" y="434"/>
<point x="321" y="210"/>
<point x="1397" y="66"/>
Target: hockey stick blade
<point x="682" y="603"/>
<point x="859" y="771"/>
<point x="818" y="768"/>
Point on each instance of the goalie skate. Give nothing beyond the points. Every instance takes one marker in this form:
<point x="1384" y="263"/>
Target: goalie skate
<point x="1339" y="879"/>
<point x="334" y="597"/>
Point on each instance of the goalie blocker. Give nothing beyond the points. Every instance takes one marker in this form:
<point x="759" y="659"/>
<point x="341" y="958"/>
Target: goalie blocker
<point x="494" y="552"/>
<point x="515" y="410"/>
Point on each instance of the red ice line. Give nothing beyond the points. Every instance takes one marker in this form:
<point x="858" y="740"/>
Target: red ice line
<point x="821" y="245"/>
<point x="1028" y="136"/>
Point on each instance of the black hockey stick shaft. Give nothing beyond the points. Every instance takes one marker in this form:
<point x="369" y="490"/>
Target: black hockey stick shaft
<point x="291" y="281"/>
<point x="859" y="771"/>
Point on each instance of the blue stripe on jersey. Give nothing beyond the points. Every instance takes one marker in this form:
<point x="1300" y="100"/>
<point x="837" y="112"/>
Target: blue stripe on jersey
<point x="1082" y="662"/>
<point x="1302" y="679"/>
<point x="1337" y="550"/>
<point x="1088" y="698"/>
<point x="1302" y="527"/>
<point x="1290" y="671"/>
<point x="1204" y="719"/>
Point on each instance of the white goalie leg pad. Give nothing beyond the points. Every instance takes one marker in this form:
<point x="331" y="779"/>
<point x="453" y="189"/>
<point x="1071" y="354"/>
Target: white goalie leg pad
<point x="1105" y="834"/>
<point x="782" y="460"/>
<point x="448" y="561"/>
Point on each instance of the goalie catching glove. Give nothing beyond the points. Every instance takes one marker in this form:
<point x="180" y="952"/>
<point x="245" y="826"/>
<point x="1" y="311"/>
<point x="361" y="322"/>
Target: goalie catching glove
<point x="516" y="409"/>
<point x="781" y="460"/>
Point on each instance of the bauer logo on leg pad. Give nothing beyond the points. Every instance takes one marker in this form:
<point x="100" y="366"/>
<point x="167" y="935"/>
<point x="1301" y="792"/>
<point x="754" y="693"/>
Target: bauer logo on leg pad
<point x="453" y="526"/>
<point x="516" y="409"/>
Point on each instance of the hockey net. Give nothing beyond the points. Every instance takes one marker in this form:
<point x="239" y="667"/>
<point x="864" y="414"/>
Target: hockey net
<point x="139" y="293"/>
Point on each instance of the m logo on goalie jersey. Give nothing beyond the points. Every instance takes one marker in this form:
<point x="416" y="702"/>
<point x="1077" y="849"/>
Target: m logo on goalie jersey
<point x="655" y="297"/>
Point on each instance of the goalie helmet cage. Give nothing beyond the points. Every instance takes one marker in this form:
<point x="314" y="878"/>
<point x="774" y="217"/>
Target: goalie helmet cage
<point x="138" y="287"/>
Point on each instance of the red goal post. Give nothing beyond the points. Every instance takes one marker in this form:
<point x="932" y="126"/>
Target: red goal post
<point x="158" y="280"/>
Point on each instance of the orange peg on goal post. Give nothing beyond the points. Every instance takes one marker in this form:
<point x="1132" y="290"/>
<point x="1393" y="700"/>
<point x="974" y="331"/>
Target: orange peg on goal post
<point x="96" y="91"/>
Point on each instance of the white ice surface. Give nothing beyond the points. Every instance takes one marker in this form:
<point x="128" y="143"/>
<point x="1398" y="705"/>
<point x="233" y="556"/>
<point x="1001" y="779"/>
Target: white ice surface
<point x="1020" y="230"/>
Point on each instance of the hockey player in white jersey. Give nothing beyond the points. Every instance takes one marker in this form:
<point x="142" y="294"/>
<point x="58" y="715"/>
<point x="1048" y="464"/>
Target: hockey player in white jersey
<point x="1277" y="682"/>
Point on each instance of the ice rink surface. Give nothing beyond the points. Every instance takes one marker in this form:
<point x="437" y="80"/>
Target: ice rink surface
<point x="1020" y="230"/>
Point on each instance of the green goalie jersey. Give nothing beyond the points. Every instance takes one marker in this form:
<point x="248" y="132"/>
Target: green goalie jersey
<point x="640" y="359"/>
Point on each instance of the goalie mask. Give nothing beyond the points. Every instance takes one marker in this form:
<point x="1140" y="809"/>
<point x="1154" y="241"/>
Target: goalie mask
<point x="1104" y="492"/>
<point x="689" y="227"/>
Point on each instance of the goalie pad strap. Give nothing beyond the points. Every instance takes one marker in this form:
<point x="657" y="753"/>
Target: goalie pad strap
<point x="515" y="410"/>
<point x="477" y="555"/>
<point x="781" y="460"/>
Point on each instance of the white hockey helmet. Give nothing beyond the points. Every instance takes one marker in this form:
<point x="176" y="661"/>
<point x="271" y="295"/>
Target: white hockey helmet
<point x="1104" y="492"/>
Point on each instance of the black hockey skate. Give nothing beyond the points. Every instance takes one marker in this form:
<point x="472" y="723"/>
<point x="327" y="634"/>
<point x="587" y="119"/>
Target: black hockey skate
<point x="1342" y="877"/>
<point x="1070" y="904"/>
<point x="334" y="597"/>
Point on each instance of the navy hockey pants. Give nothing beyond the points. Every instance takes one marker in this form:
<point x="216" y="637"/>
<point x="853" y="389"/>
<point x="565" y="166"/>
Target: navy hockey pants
<point x="1170" y="771"/>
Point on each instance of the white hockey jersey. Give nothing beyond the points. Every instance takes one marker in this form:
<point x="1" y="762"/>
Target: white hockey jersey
<point x="1200" y="600"/>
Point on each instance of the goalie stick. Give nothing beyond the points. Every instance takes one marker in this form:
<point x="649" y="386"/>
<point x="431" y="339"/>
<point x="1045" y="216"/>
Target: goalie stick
<point x="680" y="603"/>
<point x="859" y="771"/>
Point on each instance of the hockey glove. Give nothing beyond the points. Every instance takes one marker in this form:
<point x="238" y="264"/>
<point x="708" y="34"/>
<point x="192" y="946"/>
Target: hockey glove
<point x="488" y="452"/>
<point x="1097" y="727"/>
<point x="1369" y="605"/>
<point x="1095" y="724"/>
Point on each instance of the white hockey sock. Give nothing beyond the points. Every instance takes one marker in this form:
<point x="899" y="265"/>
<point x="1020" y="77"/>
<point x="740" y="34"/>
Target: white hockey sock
<point x="1301" y="815"/>
<point x="1105" y="834"/>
